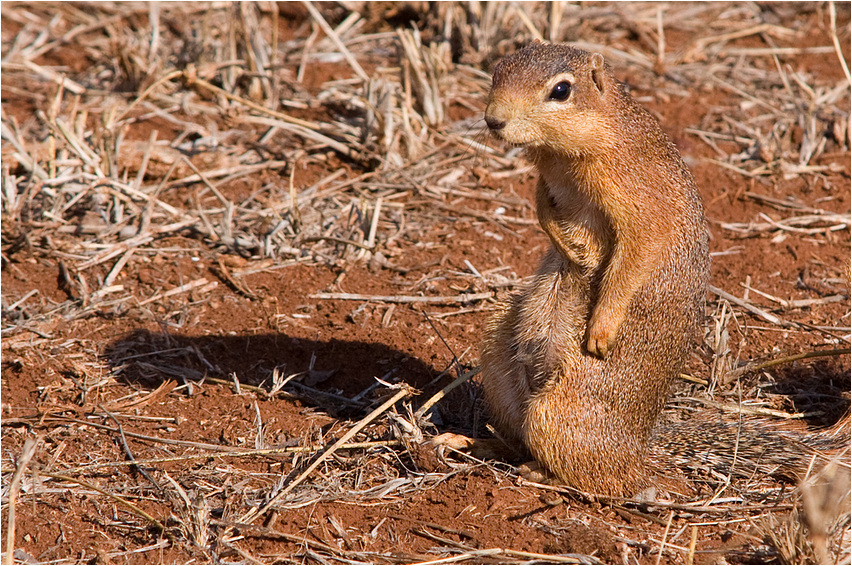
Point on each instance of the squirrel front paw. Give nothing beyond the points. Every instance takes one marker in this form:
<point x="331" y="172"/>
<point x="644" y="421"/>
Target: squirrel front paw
<point x="603" y="328"/>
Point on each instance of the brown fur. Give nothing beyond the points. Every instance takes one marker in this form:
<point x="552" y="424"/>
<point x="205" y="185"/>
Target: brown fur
<point x="579" y="364"/>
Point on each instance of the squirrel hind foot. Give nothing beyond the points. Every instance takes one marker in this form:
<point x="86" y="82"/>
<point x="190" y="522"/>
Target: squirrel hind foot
<point x="533" y="471"/>
<point x="481" y="448"/>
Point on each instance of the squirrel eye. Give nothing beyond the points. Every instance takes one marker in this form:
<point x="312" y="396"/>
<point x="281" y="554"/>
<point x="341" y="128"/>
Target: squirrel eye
<point x="561" y="91"/>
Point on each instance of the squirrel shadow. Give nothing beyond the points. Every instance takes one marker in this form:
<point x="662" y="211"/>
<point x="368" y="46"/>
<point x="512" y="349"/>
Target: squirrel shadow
<point x="334" y="376"/>
<point x="820" y="389"/>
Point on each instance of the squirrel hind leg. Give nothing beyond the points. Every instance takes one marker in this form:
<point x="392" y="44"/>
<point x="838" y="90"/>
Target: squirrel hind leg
<point x="505" y="383"/>
<point x="505" y="403"/>
<point x="583" y="444"/>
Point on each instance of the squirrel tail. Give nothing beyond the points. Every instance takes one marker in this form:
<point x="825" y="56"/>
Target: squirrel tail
<point x="747" y="447"/>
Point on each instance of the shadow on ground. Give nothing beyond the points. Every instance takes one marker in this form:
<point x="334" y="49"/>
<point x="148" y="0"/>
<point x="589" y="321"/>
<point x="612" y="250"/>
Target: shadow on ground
<point x="335" y="376"/>
<point x="818" y="389"/>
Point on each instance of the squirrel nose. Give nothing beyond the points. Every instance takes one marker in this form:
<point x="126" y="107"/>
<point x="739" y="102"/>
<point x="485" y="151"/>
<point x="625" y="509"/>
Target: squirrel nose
<point x="494" y="124"/>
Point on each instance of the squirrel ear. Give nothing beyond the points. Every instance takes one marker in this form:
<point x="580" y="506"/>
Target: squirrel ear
<point x="597" y="65"/>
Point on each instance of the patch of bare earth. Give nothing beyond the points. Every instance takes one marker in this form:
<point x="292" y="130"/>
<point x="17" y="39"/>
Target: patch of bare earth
<point x="243" y="245"/>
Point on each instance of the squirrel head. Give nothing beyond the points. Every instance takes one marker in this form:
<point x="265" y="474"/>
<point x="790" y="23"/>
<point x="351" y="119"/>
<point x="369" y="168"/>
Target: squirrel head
<point x="554" y="97"/>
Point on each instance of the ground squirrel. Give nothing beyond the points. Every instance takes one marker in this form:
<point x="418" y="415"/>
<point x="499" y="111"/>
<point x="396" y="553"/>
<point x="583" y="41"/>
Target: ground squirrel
<point x="578" y="365"/>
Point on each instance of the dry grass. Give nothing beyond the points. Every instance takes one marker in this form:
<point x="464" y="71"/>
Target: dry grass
<point x="90" y="184"/>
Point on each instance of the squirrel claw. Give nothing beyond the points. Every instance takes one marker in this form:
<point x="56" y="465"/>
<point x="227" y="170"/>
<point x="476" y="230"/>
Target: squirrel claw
<point x="597" y="348"/>
<point x="454" y="441"/>
<point x="485" y="448"/>
<point x="600" y="343"/>
<point x="535" y="472"/>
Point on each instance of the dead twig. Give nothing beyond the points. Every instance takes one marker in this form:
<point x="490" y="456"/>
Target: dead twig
<point x="463" y="298"/>
<point x="748" y="306"/>
<point x="424" y="408"/>
<point x="404" y="391"/>
<point x="27" y="452"/>
<point x="329" y="31"/>
<point x="757" y="366"/>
